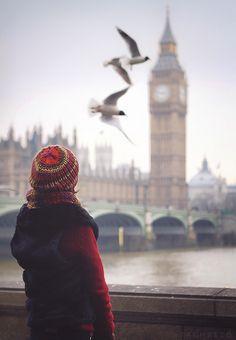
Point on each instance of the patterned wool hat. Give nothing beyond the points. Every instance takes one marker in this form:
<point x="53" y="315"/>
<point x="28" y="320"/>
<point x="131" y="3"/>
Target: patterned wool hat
<point x="54" y="168"/>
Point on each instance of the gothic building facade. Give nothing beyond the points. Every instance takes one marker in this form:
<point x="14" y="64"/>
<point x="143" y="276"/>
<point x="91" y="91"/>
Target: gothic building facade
<point x="16" y="158"/>
<point x="103" y="182"/>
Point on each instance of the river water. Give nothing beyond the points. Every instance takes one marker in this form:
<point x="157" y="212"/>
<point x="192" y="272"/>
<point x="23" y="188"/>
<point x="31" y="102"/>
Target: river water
<point x="213" y="267"/>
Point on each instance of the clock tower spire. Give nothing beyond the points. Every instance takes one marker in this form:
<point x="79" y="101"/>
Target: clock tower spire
<point x="168" y="43"/>
<point x="168" y="108"/>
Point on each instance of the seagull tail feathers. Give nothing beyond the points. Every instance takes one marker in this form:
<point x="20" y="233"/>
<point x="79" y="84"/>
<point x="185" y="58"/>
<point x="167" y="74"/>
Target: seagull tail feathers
<point x="92" y="106"/>
<point x="106" y="63"/>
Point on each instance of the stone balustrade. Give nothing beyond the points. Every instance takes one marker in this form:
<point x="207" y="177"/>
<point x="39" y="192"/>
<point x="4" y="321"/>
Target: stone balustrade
<point x="144" y="312"/>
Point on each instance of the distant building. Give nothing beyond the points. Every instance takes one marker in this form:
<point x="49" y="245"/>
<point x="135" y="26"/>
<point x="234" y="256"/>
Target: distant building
<point x="230" y="199"/>
<point x="14" y="163"/>
<point x="206" y="190"/>
<point x="103" y="159"/>
<point x="15" y="158"/>
<point x="101" y="183"/>
<point x="168" y="109"/>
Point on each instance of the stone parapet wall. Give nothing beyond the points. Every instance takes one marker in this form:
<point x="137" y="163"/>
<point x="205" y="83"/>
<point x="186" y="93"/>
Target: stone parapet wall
<point x="145" y="313"/>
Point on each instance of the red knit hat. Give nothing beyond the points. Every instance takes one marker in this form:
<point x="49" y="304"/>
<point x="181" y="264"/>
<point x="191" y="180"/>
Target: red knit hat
<point x="54" y="168"/>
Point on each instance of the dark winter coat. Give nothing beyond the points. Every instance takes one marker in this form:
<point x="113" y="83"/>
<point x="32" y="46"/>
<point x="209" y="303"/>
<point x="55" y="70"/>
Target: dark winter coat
<point x="55" y="286"/>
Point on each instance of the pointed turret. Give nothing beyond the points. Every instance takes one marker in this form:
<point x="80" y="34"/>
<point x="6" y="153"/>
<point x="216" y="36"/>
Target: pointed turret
<point x="168" y="55"/>
<point x="11" y="134"/>
<point x="75" y="138"/>
<point x="27" y="137"/>
<point x="205" y="167"/>
<point x="168" y="37"/>
<point x="40" y="135"/>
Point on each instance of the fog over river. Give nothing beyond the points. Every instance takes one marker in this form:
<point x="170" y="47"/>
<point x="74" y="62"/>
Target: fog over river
<point x="213" y="267"/>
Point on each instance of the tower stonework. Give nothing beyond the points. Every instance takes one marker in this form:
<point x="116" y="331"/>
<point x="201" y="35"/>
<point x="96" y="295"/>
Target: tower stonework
<point x="168" y="108"/>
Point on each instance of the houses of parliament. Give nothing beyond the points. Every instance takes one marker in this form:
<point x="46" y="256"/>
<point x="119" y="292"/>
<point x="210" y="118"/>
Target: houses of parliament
<point x="164" y="186"/>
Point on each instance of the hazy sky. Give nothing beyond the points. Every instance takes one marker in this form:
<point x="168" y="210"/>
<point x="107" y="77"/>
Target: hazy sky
<point x="51" y="65"/>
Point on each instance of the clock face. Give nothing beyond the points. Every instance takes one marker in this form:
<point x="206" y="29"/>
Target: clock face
<point x="182" y="94"/>
<point x="162" y="93"/>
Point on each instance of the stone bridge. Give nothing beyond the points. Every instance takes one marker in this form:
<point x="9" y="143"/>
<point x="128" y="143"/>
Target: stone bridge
<point x="131" y="227"/>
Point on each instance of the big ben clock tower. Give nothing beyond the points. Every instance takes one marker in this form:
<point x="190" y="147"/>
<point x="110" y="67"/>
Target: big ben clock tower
<point x="168" y="108"/>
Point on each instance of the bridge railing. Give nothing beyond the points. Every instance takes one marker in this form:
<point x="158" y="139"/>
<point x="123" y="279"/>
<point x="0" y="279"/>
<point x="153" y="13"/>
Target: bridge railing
<point x="144" y="312"/>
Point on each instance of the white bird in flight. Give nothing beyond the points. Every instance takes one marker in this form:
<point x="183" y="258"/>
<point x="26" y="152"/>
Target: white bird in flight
<point x="109" y="110"/>
<point x="108" y="107"/>
<point x="117" y="66"/>
<point x="120" y="64"/>
<point x="136" y="57"/>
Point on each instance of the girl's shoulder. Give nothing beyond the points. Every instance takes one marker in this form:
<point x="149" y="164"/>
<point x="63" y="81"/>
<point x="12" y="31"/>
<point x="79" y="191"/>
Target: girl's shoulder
<point x="56" y="217"/>
<point x="86" y="219"/>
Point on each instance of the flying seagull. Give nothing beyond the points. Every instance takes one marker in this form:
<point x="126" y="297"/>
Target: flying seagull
<point x="109" y="111"/>
<point x="117" y="66"/>
<point x="136" y="57"/>
<point x="120" y="64"/>
<point x="108" y="107"/>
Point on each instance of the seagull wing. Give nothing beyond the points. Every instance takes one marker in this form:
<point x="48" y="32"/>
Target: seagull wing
<point x="123" y="73"/>
<point x="113" y="98"/>
<point x="116" y="123"/>
<point x="133" y="47"/>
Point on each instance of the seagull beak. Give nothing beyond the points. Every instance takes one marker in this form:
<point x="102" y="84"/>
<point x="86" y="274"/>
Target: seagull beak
<point x="121" y="113"/>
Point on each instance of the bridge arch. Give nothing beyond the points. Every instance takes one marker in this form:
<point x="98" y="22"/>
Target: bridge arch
<point x="7" y="227"/>
<point x="110" y="225"/>
<point x="8" y="219"/>
<point x="205" y="231"/>
<point x="169" y="231"/>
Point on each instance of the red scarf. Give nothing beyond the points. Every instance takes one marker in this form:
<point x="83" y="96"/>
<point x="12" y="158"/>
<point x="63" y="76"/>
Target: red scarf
<point x="37" y="199"/>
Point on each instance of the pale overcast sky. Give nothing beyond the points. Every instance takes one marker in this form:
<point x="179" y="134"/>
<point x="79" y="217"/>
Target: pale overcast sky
<point x="51" y="65"/>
